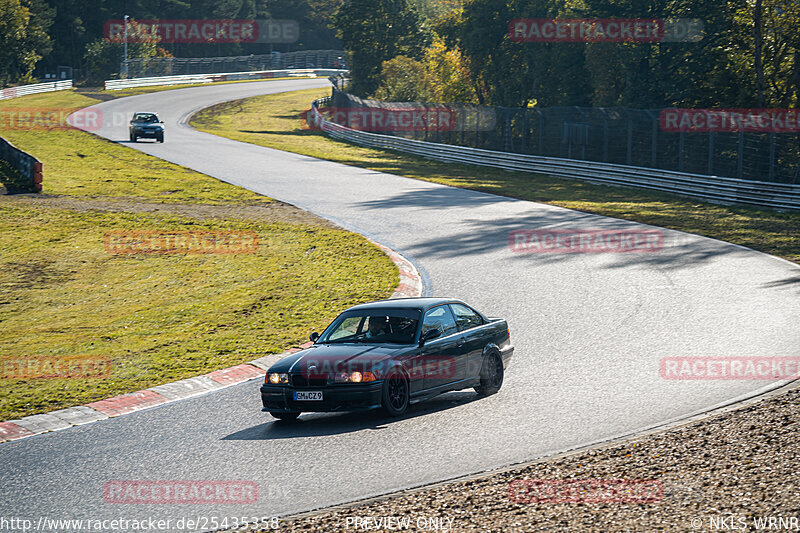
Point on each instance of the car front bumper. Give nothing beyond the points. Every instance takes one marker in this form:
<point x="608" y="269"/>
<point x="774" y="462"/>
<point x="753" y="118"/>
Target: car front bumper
<point x="345" y="397"/>
<point x="151" y="134"/>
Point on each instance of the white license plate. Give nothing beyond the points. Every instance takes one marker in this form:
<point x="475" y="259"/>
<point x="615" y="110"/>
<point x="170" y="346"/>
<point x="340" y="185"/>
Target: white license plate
<point x="308" y="395"/>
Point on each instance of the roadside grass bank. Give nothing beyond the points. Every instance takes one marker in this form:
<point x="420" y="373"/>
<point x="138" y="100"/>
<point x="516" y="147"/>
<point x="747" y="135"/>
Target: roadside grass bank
<point x="78" y="163"/>
<point x="276" y="121"/>
<point x="155" y="317"/>
<point x="102" y="94"/>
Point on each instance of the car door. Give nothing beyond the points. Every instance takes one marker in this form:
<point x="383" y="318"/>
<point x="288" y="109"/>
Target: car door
<point x="469" y="324"/>
<point x="441" y="357"/>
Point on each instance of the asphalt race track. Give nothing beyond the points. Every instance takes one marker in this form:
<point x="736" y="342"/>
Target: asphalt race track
<point x="589" y="330"/>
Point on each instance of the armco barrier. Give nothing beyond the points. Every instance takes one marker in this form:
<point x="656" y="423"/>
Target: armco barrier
<point x="24" y="90"/>
<point x="711" y="188"/>
<point x="190" y="79"/>
<point x="27" y="165"/>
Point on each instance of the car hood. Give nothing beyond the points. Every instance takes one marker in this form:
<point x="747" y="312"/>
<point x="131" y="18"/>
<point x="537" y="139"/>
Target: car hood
<point x="338" y="357"/>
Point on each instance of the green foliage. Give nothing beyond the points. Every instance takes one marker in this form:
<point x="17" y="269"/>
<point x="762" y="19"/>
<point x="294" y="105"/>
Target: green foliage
<point x="780" y="51"/>
<point x="23" y="38"/>
<point x="441" y="76"/>
<point x="104" y="57"/>
<point x="719" y="70"/>
<point x="374" y="31"/>
<point x="403" y="80"/>
<point x="448" y="74"/>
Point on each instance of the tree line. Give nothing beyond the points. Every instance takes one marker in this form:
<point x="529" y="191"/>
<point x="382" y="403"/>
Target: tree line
<point x="748" y="56"/>
<point x="455" y="50"/>
<point x="37" y="36"/>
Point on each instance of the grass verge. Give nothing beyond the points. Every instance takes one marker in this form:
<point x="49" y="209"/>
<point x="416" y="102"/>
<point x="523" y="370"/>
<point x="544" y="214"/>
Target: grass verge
<point x="276" y="121"/>
<point x="156" y="317"/>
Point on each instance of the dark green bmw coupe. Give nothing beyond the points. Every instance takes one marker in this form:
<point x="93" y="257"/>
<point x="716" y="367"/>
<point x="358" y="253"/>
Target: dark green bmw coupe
<point x="389" y="354"/>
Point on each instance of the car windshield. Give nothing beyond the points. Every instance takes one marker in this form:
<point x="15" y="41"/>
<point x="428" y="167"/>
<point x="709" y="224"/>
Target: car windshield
<point x="374" y="326"/>
<point x="145" y="117"/>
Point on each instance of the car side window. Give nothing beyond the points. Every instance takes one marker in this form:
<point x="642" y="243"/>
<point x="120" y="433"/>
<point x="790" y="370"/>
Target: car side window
<point x="441" y="318"/>
<point x="465" y="317"/>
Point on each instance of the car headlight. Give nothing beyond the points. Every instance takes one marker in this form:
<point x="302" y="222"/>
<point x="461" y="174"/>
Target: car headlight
<point x="274" y="378"/>
<point x="354" y="377"/>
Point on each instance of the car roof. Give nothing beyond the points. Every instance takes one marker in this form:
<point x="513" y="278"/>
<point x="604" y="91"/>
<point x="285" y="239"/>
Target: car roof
<point x="405" y="303"/>
<point x="145" y="113"/>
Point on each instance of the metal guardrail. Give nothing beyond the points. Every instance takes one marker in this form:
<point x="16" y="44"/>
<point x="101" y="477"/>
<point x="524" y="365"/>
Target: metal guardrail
<point x="711" y="188"/>
<point x="190" y="79"/>
<point x="24" y="90"/>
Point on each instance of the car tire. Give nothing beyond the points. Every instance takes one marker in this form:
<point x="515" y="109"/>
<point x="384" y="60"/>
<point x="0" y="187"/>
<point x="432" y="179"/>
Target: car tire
<point x="395" y="394"/>
<point x="491" y="375"/>
<point x="160" y="138"/>
<point x="288" y="417"/>
<point x="133" y="138"/>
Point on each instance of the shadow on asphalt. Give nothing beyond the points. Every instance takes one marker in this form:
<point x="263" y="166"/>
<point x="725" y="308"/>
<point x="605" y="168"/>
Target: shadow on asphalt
<point x="474" y="236"/>
<point x="788" y="282"/>
<point x="324" y="424"/>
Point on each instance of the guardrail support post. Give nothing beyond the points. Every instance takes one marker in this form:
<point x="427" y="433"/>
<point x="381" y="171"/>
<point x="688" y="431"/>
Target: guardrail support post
<point x="772" y="156"/>
<point x="711" y="153"/>
<point x="740" y="156"/>
<point x="654" y="148"/>
<point x="630" y="141"/>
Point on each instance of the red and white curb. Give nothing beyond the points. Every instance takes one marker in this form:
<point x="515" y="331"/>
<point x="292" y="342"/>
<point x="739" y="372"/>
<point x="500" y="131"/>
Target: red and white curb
<point x="410" y="286"/>
<point x="410" y="281"/>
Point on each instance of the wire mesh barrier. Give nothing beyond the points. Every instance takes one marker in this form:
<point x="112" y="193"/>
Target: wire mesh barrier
<point x="711" y="188"/>
<point x="622" y="136"/>
<point x="178" y="66"/>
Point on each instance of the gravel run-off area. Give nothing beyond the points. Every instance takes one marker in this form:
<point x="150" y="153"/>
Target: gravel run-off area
<point x="735" y="470"/>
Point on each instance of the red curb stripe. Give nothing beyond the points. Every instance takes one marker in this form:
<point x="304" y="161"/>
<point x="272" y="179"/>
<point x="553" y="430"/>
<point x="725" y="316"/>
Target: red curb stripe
<point x="404" y="287"/>
<point x="11" y="431"/>
<point x="128" y="403"/>
<point x="236" y="374"/>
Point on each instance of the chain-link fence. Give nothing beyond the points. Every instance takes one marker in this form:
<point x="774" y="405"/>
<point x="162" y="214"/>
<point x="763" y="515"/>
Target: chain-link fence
<point x="179" y="66"/>
<point x="611" y="135"/>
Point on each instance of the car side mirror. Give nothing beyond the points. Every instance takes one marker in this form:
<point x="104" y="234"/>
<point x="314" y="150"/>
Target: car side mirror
<point x="314" y="336"/>
<point x="430" y="334"/>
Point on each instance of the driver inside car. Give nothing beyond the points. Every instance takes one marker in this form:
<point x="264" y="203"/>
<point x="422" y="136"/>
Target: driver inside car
<point x="376" y="327"/>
